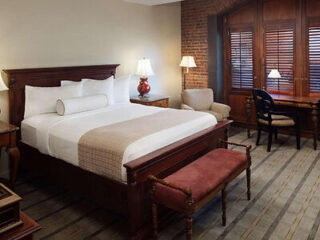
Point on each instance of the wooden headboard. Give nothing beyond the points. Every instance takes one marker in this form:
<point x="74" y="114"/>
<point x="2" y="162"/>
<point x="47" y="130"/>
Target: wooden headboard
<point x="46" y="77"/>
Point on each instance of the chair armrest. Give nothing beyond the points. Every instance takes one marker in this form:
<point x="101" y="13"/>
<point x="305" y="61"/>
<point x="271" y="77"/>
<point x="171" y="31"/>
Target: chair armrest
<point x="226" y="143"/>
<point x="186" y="107"/>
<point x="221" y="108"/>
<point x="154" y="180"/>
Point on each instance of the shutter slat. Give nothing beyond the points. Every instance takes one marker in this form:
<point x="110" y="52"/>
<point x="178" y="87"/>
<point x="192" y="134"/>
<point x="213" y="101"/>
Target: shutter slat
<point x="242" y="59"/>
<point x="314" y="59"/>
<point x="279" y="45"/>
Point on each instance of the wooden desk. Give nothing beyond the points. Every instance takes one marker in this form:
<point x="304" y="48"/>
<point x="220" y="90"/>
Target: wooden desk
<point x="25" y="231"/>
<point x="311" y="103"/>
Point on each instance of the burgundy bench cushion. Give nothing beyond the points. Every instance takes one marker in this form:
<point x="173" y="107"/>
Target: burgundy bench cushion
<point x="201" y="176"/>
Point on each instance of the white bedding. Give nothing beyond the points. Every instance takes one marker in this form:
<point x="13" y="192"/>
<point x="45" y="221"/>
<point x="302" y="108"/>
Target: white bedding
<point x="58" y="136"/>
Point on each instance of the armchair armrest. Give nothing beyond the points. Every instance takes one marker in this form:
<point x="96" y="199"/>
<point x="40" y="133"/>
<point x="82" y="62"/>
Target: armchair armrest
<point x="226" y="143"/>
<point x="221" y="108"/>
<point x="154" y="180"/>
<point x="186" y="107"/>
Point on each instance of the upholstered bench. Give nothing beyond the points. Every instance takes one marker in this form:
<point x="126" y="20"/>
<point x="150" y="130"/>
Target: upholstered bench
<point x="191" y="187"/>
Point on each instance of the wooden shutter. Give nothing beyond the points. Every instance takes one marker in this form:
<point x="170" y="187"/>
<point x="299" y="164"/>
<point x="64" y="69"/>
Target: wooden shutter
<point x="241" y="49"/>
<point x="314" y="60"/>
<point x="279" y="54"/>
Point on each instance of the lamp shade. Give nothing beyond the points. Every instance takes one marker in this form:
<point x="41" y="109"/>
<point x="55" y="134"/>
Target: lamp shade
<point x="188" y="61"/>
<point x="144" y="68"/>
<point x="274" y="73"/>
<point x="3" y="86"/>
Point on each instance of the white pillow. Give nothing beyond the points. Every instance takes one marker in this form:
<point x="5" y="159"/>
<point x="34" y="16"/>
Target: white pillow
<point x="69" y="82"/>
<point x="43" y="99"/>
<point x="80" y="104"/>
<point x="122" y="89"/>
<point x="92" y="87"/>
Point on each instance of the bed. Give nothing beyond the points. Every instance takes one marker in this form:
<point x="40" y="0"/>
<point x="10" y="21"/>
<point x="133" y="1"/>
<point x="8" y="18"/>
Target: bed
<point x="126" y="191"/>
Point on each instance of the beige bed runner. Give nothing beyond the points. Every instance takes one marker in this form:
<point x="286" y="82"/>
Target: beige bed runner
<point x="101" y="150"/>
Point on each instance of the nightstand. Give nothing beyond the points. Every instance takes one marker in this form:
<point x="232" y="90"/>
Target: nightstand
<point x="152" y="100"/>
<point x="8" y="140"/>
<point x="24" y="232"/>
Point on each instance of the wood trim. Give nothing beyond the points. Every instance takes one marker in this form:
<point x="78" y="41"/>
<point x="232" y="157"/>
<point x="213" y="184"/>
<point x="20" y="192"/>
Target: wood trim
<point x="265" y="17"/>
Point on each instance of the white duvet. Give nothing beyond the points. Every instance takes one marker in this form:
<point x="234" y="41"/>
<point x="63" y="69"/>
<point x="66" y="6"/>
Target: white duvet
<point x="58" y="136"/>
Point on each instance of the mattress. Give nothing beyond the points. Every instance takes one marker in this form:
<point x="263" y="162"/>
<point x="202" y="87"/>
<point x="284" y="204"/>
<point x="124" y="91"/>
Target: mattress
<point x="58" y="136"/>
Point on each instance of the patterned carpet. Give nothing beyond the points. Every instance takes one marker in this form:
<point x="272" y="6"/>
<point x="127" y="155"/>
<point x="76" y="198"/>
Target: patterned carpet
<point x="285" y="202"/>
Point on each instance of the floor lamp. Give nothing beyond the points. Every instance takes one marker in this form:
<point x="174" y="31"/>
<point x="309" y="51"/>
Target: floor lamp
<point x="187" y="62"/>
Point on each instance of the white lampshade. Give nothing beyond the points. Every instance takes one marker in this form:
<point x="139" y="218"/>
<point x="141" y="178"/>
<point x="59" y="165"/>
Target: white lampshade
<point x="144" y="68"/>
<point x="188" y="61"/>
<point x="274" y="73"/>
<point x="3" y="86"/>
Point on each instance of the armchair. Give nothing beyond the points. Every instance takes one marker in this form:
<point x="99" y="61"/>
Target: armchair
<point x="202" y="100"/>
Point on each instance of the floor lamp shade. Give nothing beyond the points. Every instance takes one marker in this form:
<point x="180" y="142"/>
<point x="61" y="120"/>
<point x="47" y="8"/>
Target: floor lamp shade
<point x="187" y="62"/>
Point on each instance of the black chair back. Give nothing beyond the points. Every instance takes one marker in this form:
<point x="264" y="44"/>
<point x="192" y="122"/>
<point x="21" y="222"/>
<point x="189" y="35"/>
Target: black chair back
<point x="264" y="103"/>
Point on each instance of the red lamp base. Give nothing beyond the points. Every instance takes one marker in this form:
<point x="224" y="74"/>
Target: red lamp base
<point x="143" y="87"/>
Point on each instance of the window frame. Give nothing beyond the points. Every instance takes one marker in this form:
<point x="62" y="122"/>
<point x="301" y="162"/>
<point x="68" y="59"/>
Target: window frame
<point x="311" y="23"/>
<point x="240" y="28"/>
<point x="278" y="26"/>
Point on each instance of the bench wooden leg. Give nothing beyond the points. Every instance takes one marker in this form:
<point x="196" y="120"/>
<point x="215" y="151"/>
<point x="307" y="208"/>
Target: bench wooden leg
<point x="248" y="171"/>
<point x="155" y="221"/>
<point x="189" y="212"/>
<point x="224" y="206"/>
<point x="189" y="226"/>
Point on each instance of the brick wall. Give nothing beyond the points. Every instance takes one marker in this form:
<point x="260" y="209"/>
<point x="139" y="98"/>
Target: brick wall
<point x="194" y="14"/>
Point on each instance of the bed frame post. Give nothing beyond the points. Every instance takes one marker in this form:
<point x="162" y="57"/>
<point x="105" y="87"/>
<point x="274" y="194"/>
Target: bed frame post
<point x="135" y="207"/>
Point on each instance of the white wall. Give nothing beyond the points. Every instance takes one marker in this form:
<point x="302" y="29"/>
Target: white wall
<point x="50" y="33"/>
<point x="53" y="33"/>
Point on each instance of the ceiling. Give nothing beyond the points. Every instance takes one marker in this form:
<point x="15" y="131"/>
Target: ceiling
<point x="152" y="2"/>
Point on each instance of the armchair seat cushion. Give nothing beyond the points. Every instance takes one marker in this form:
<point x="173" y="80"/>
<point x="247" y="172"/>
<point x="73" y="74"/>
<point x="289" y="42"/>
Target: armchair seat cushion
<point x="278" y="121"/>
<point x="201" y="176"/>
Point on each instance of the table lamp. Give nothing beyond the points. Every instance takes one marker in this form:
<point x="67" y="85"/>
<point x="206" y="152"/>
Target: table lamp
<point x="144" y="70"/>
<point x="187" y="62"/>
<point x="274" y="74"/>
<point x="3" y="86"/>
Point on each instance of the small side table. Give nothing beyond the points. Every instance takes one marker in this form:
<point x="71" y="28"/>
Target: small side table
<point x="23" y="232"/>
<point x="8" y="140"/>
<point x="152" y="100"/>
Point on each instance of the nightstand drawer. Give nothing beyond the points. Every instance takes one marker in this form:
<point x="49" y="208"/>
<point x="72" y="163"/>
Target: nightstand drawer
<point x="163" y="103"/>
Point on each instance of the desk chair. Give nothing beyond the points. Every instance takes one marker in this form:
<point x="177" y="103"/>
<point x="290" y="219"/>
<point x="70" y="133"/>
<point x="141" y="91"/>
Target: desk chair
<point x="267" y="116"/>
